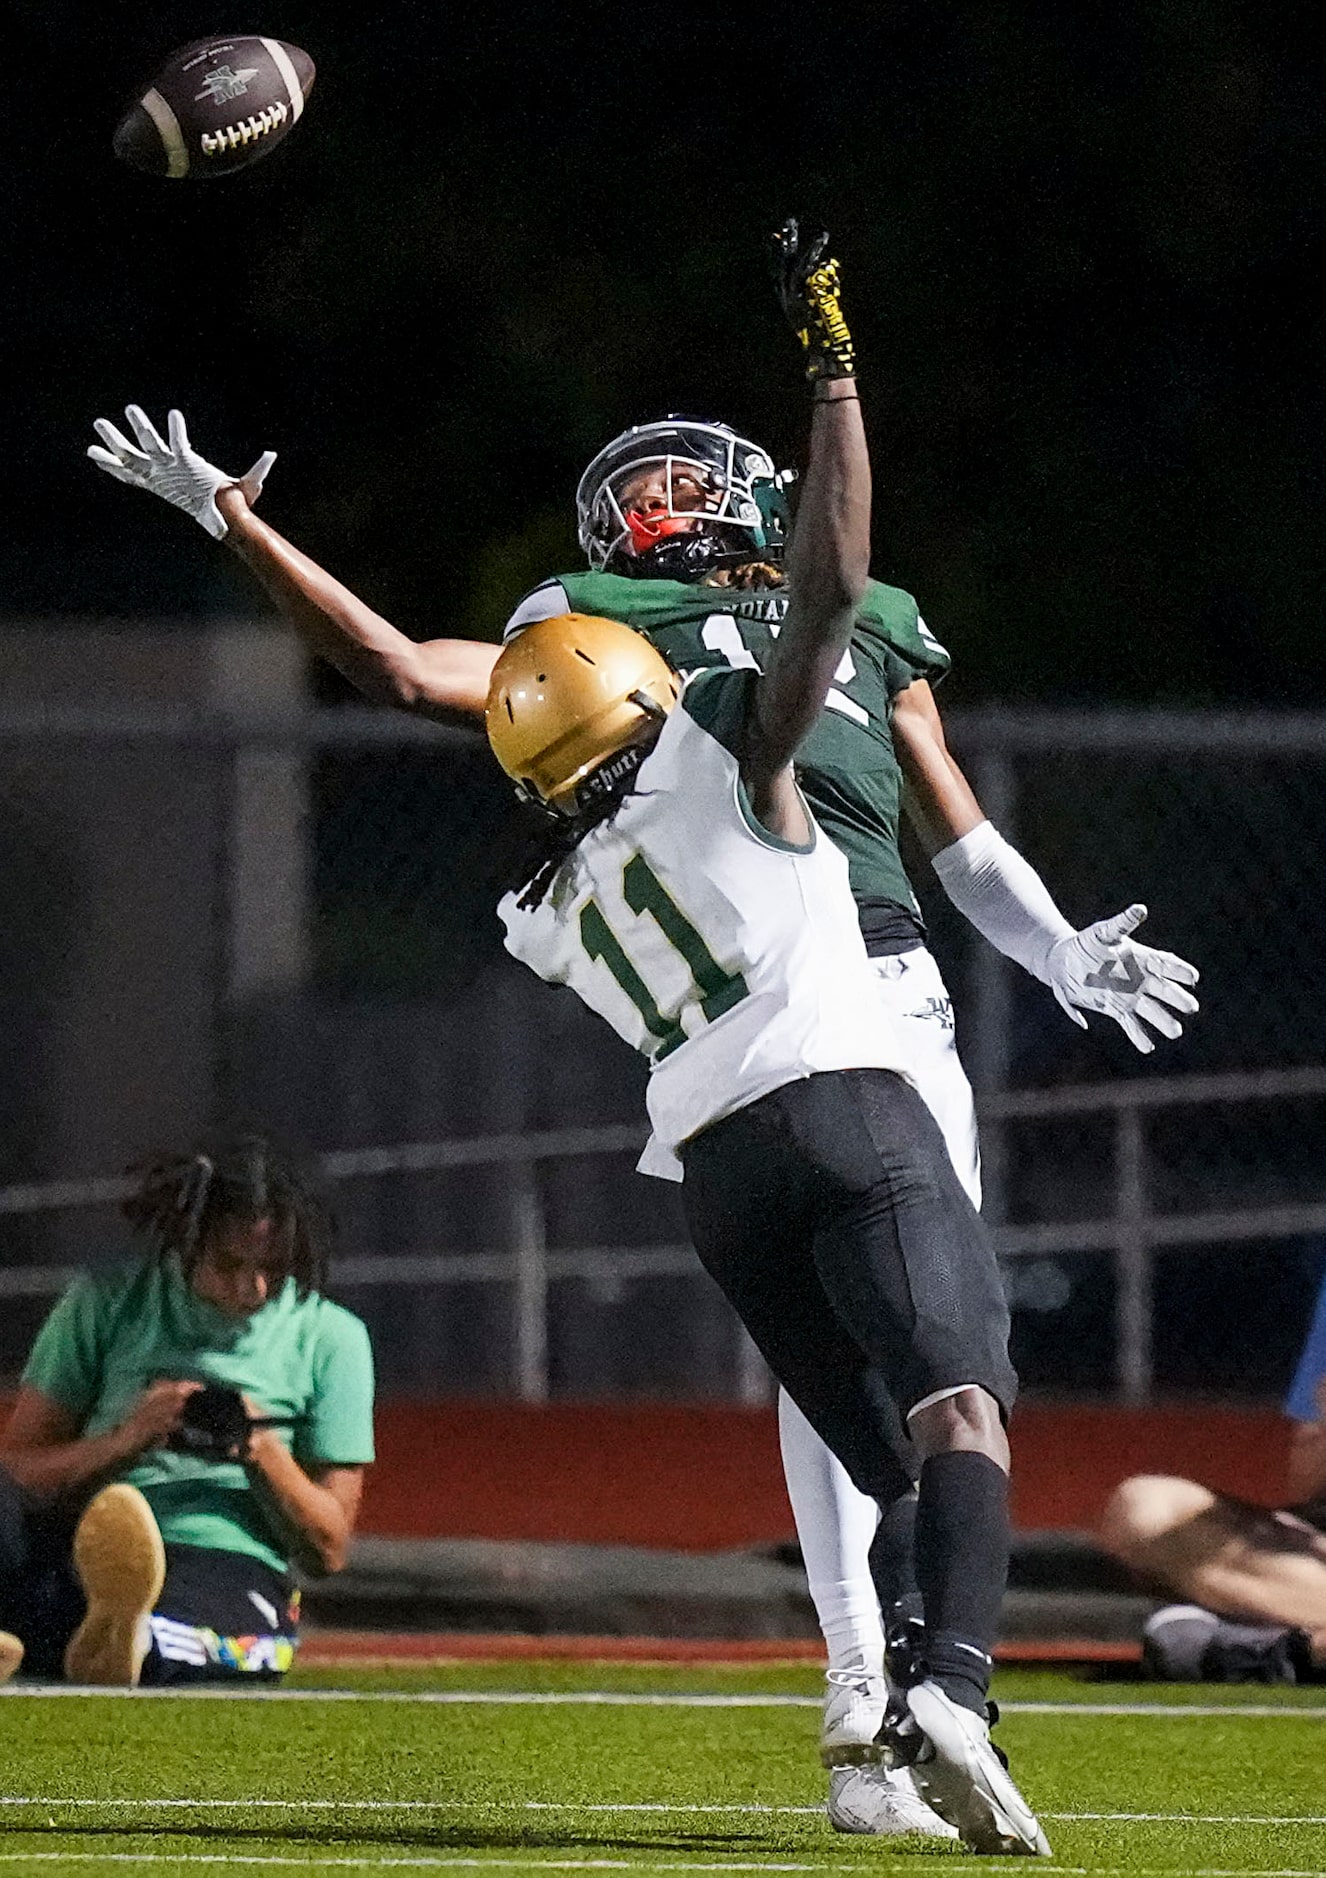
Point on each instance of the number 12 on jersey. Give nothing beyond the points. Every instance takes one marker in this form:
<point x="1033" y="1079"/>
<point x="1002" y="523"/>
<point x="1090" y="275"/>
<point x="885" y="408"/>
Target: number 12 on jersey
<point x="723" y="634"/>
<point x="717" y="990"/>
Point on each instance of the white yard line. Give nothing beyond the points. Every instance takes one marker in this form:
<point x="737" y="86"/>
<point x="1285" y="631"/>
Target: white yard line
<point x="52" y="1802"/>
<point x="1195" y="1819"/>
<point x="406" y="1806"/>
<point x="322" y="1863"/>
<point x="950" y="1869"/>
<point x="623" y="1698"/>
<point x="421" y="1862"/>
<point x="1166" y="1711"/>
<point x="500" y="1698"/>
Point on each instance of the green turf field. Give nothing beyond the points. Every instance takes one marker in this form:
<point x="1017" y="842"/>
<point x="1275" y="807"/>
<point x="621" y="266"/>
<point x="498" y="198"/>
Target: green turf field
<point x="681" y="1769"/>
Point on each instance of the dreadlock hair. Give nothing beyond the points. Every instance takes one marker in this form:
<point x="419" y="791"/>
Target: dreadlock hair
<point x="748" y="576"/>
<point x="181" y="1200"/>
<point x="558" y="836"/>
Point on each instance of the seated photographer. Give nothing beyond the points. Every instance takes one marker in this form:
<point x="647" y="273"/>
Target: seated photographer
<point x="191" y="1430"/>
<point x="1254" y="1577"/>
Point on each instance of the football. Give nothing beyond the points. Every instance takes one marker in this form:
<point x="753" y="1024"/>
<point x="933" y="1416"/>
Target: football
<point x="215" y="106"/>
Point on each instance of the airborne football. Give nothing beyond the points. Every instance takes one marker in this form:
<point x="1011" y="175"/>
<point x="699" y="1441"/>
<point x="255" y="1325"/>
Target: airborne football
<point x="216" y="106"/>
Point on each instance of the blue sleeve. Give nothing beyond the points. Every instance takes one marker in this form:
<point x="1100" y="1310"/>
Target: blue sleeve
<point x="1301" y="1402"/>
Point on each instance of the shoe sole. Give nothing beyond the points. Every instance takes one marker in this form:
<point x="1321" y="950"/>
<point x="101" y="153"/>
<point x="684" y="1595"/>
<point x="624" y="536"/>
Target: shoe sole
<point x="849" y="1754"/>
<point x="895" y="1829"/>
<point x="121" y="1565"/>
<point x="980" y="1800"/>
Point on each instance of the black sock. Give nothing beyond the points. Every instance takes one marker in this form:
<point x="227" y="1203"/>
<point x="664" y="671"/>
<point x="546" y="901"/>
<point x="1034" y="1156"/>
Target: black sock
<point x="893" y="1552"/>
<point x="893" y="1570"/>
<point x="961" y="1568"/>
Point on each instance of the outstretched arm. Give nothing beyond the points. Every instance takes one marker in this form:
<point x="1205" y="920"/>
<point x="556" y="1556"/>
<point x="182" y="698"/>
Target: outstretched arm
<point x="828" y="558"/>
<point x="939" y="801"/>
<point x="1098" y="969"/>
<point x="446" y="678"/>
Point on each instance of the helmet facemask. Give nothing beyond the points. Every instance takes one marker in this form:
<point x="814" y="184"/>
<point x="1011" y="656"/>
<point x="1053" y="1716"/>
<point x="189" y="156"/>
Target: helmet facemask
<point x="744" y="516"/>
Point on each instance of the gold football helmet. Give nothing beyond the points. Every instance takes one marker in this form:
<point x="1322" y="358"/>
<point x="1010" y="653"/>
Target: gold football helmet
<point x="567" y="694"/>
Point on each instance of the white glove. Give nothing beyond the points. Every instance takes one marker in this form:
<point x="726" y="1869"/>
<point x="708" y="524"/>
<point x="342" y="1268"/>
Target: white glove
<point x="1100" y="969"/>
<point x="174" y="471"/>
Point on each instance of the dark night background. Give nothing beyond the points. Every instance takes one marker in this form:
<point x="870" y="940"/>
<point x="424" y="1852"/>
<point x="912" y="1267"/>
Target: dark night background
<point x="1081" y="249"/>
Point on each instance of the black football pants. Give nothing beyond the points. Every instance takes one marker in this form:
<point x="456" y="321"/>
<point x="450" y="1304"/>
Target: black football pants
<point x="830" y="1215"/>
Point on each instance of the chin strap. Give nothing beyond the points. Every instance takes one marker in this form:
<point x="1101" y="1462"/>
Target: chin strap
<point x="689" y="557"/>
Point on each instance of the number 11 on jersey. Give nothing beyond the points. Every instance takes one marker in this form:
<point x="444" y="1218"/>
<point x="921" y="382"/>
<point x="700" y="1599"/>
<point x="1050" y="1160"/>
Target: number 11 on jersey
<point x="644" y="892"/>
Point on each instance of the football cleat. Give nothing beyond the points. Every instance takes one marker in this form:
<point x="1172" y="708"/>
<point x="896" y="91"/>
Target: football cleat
<point x="963" y="1776"/>
<point x="1185" y="1643"/>
<point x="121" y="1565"/>
<point x="904" y="1647"/>
<point x="899" y="1741"/>
<point x="882" y="1802"/>
<point x="1174" y="1640"/>
<point x="854" y="1710"/>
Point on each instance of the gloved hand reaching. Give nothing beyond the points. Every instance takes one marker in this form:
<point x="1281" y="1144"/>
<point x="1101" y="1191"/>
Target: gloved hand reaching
<point x="173" y="470"/>
<point x="1102" y="969"/>
<point x="807" y="287"/>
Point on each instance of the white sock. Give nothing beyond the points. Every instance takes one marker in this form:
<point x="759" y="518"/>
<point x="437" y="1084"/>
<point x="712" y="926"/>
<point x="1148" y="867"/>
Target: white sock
<point x="835" y="1525"/>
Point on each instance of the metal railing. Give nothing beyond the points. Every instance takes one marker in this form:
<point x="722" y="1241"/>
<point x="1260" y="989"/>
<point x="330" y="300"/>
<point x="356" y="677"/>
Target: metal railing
<point x="252" y="921"/>
<point x="1131" y="1231"/>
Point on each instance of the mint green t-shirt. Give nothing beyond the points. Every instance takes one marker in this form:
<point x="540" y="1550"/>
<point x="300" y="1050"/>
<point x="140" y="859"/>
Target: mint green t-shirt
<point x="307" y="1358"/>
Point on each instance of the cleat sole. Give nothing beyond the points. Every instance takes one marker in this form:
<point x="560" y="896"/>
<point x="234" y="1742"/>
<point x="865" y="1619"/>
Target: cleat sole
<point x="121" y="1565"/>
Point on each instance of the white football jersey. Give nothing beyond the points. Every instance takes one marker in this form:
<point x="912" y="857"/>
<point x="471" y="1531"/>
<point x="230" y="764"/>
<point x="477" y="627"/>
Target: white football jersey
<point x="731" y="959"/>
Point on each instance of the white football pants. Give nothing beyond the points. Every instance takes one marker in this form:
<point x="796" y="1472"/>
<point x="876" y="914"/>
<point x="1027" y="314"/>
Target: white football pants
<point x="835" y="1522"/>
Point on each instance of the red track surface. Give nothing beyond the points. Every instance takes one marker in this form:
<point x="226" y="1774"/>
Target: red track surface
<point x="705" y="1478"/>
<point x="340" y="1648"/>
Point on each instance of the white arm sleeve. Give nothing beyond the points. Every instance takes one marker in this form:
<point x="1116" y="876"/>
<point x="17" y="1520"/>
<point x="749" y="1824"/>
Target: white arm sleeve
<point x="1003" y="896"/>
<point x="545" y="602"/>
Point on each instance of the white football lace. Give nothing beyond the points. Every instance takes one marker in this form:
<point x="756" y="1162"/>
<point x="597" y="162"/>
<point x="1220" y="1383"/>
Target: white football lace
<point x="235" y="136"/>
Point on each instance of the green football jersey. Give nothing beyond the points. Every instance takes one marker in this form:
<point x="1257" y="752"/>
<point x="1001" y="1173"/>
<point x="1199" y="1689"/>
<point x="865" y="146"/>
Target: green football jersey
<point x="847" y="766"/>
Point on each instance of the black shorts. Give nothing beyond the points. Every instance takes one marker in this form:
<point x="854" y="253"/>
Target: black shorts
<point x="830" y="1215"/>
<point x="222" y="1615"/>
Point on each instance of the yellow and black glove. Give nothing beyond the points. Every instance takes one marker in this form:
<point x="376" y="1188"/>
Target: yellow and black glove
<point x="807" y="287"/>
